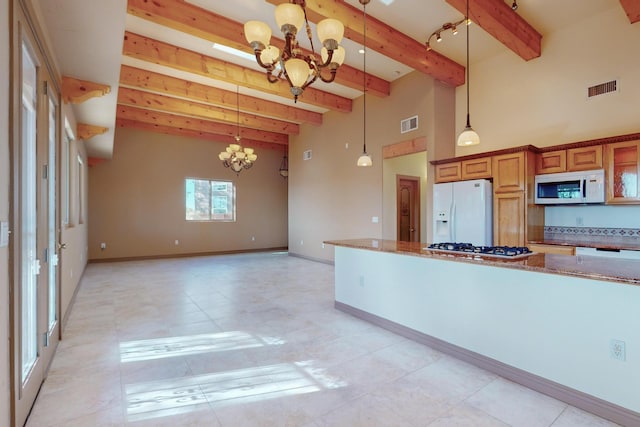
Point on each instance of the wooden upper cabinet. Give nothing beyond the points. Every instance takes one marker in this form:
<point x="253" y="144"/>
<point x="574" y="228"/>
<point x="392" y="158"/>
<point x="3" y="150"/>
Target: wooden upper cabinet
<point x="622" y="164"/>
<point x="551" y="162"/>
<point x="584" y="158"/>
<point x="448" y="172"/>
<point x="476" y="168"/>
<point x="569" y="160"/>
<point x="509" y="172"/>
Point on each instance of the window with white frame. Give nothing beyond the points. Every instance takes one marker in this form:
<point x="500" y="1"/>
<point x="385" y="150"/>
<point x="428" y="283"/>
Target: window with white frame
<point x="209" y="200"/>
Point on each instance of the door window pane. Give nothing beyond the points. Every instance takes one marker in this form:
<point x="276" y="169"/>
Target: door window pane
<point x="30" y="263"/>
<point x="51" y="217"/>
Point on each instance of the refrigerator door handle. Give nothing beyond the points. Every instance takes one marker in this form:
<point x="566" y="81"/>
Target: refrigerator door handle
<point x="452" y="222"/>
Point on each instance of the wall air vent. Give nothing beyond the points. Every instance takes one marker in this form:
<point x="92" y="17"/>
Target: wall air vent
<point x="306" y="155"/>
<point x="407" y="125"/>
<point x="602" y="88"/>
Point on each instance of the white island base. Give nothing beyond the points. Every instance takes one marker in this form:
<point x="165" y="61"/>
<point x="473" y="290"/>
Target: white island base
<point x="551" y="333"/>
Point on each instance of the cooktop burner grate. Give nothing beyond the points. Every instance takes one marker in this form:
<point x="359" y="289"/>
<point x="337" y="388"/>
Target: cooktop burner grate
<point x="505" y="251"/>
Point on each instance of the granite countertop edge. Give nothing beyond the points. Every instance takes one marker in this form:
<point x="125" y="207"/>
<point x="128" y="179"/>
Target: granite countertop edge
<point x="587" y="267"/>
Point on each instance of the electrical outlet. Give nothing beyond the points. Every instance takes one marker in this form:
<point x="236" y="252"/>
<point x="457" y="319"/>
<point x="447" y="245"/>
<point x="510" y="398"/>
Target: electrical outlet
<point x="253" y="238"/>
<point x="579" y="221"/>
<point x="617" y="350"/>
<point x="103" y="246"/>
<point x="301" y="242"/>
<point x="177" y="242"/>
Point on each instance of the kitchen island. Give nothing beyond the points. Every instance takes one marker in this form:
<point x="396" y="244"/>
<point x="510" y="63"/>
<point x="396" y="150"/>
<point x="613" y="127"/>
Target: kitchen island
<point x="545" y="321"/>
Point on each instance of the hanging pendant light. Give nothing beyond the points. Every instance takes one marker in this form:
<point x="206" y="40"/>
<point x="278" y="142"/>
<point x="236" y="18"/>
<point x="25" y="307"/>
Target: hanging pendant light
<point x="284" y="165"/>
<point x="364" y="159"/>
<point x="468" y="136"/>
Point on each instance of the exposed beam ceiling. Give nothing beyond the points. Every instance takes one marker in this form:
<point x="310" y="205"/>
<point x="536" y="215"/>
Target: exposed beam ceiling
<point x="172" y="81"/>
<point x="157" y="52"/>
<point x="215" y="28"/>
<point x="499" y="20"/>
<point x="178" y="88"/>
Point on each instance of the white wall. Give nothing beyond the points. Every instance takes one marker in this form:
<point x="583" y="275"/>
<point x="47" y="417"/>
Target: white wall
<point x="592" y="216"/>
<point x="554" y="326"/>
<point x="543" y="102"/>
<point x="4" y="213"/>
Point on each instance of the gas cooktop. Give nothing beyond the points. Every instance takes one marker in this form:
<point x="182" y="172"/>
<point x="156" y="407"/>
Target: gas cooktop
<point x="497" y="251"/>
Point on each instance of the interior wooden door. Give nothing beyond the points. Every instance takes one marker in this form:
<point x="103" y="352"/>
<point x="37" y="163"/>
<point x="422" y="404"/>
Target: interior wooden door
<point x="408" y="208"/>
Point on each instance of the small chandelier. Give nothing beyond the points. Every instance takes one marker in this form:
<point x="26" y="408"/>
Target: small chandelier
<point x="237" y="158"/>
<point x="299" y="69"/>
<point x="468" y="136"/>
<point x="234" y="156"/>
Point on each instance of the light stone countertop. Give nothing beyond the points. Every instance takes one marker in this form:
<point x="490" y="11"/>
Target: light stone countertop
<point x="589" y="267"/>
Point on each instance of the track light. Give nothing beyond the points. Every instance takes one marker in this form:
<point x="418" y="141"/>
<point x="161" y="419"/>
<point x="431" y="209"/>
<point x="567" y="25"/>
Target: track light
<point x="453" y="26"/>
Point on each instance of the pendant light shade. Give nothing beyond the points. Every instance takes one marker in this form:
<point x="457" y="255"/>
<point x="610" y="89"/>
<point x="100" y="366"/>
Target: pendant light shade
<point x="365" y="160"/>
<point x="468" y="136"/>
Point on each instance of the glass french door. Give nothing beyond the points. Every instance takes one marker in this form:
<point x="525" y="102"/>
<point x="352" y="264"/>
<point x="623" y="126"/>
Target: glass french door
<point x="35" y="272"/>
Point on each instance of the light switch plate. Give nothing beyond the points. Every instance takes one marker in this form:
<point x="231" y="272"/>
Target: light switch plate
<point x="4" y="234"/>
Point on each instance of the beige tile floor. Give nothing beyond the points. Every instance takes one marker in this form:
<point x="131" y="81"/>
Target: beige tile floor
<point x="254" y="340"/>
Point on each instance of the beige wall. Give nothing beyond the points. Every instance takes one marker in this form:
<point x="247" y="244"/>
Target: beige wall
<point x="136" y="200"/>
<point x="5" y="387"/>
<point x="329" y="196"/>
<point x="544" y="101"/>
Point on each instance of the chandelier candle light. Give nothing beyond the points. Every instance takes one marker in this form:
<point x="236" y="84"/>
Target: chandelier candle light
<point x="468" y="136"/>
<point x="300" y="70"/>
<point x="234" y="156"/>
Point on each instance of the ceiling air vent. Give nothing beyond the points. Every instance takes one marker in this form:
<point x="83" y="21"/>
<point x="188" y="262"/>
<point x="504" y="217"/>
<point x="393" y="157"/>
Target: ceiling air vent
<point x="602" y="88"/>
<point x="306" y="155"/>
<point x="407" y="125"/>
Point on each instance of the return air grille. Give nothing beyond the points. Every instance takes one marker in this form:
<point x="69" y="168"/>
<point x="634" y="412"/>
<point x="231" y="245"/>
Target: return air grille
<point x="603" y="88"/>
<point x="407" y="125"/>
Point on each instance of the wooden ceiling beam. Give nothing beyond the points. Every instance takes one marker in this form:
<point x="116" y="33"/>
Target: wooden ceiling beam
<point x="632" y="9"/>
<point x="505" y="25"/>
<point x="205" y="126"/>
<point x="192" y="133"/>
<point x="171" y="86"/>
<point x="156" y="102"/>
<point x="157" y="52"/>
<point x="207" y="25"/>
<point x="76" y="91"/>
<point x="385" y="39"/>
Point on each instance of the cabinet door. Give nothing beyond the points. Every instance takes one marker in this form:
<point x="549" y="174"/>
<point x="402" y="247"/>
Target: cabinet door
<point x="476" y="168"/>
<point x="509" y="172"/>
<point x="585" y="158"/>
<point x="509" y="221"/>
<point x="551" y="162"/>
<point x="448" y="172"/>
<point x="622" y="170"/>
<point x="552" y="249"/>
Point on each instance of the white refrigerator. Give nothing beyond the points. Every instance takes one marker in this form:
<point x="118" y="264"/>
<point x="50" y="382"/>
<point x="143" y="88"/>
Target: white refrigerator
<point x="462" y="212"/>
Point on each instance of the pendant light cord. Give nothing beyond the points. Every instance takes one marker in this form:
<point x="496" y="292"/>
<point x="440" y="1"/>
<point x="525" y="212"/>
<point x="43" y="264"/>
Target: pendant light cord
<point x="238" y="113"/>
<point x="468" y="67"/>
<point x="364" y="78"/>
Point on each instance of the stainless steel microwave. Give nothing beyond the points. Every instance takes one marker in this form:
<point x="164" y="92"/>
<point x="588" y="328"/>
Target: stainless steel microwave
<point x="570" y="188"/>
